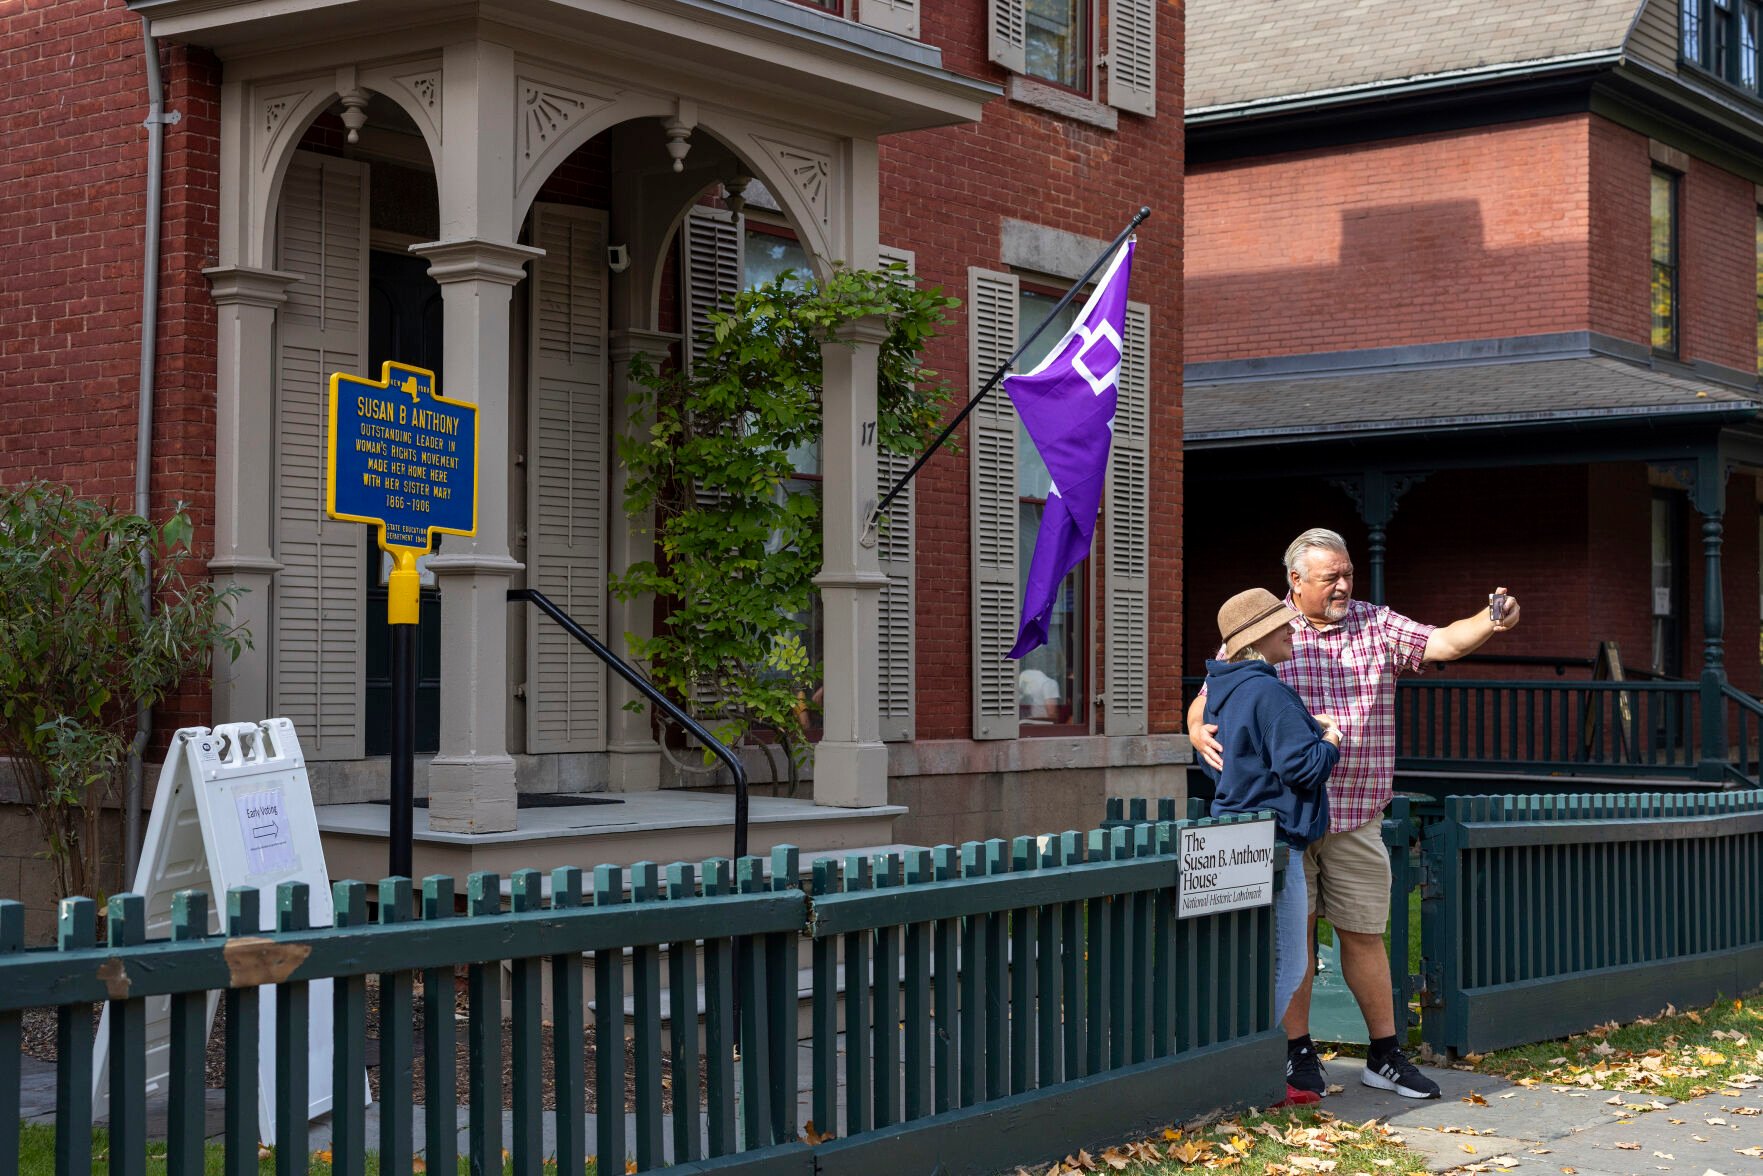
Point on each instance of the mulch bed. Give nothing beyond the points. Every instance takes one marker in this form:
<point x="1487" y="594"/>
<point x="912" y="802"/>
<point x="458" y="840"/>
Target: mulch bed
<point x="38" y="1033"/>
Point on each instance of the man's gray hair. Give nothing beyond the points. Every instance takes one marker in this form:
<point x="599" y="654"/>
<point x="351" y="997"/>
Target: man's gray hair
<point x="1315" y="539"/>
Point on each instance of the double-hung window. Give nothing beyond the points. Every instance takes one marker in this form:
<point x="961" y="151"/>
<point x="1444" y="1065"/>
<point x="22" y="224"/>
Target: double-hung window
<point x="1665" y="288"/>
<point x="1724" y="38"/>
<point x="1057" y="43"/>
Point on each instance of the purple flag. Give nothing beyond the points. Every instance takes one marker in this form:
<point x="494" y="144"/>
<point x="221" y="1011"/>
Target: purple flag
<point x="1067" y="405"/>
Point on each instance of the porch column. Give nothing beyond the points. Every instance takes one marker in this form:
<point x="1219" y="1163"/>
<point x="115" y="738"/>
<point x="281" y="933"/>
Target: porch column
<point x="1709" y="496"/>
<point x="244" y="416"/>
<point x="851" y="762"/>
<point x="471" y="780"/>
<point x="633" y="758"/>
<point x="1376" y="493"/>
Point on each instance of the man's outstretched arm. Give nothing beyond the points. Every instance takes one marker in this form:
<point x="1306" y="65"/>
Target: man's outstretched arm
<point x="1464" y="637"/>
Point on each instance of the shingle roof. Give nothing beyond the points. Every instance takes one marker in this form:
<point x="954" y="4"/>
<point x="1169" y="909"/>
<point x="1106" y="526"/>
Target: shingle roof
<point x="1533" y="392"/>
<point x="1243" y="52"/>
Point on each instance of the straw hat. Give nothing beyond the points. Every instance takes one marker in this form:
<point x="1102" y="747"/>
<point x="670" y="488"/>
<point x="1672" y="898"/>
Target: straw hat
<point x="1249" y="616"/>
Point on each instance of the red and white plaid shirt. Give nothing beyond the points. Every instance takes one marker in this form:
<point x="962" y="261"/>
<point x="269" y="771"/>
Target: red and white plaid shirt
<point x="1349" y="670"/>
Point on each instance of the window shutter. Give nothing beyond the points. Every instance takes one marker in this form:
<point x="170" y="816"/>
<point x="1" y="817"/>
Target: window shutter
<point x="993" y="303"/>
<point x="1132" y="55"/>
<point x="896" y="16"/>
<point x="319" y="606"/>
<point x="1007" y="40"/>
<point x="1129" y="534"/>
<point x="894" y="547"/>
<point x="712" y="255"/>
<point x="567" y="478"/>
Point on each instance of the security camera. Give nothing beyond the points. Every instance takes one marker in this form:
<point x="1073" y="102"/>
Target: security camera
<point x="618" y="258"/>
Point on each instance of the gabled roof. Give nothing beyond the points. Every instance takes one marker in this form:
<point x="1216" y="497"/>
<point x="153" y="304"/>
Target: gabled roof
<point x="1422" y="399"/>
<point x="1247" y="53"/>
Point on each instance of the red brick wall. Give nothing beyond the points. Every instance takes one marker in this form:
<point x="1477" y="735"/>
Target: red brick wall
<point x="945" y="194"/>
<point x="1719" y="313"/>
<point x="74" y="172"/>
<point x="1466" y="235"/>
<point x="1621" y="267"/>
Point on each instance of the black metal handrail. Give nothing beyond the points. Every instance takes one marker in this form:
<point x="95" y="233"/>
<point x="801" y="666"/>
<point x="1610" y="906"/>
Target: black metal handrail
<point x="648" y="690"/>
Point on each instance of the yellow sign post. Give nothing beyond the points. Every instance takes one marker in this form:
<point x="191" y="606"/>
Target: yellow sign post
<point x="402" y="458"/>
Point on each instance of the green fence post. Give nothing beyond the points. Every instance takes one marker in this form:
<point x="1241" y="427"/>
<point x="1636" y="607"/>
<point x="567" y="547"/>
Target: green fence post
<point x="243" y="918"/>
<point x="1163" y="948"/>
<point x="780" y="967"/>
<point x="997" y="1000"/>
<point x="1142" y="908"/>
<point x="1024" y="855"/>
<point x="945" y="1043"/>
<point x="1049" y="1040"/>
<point x="682" y="990"/>
<point x="293" y="914"/>
<point x="527" y="1037"/>
<point x="348" y="1048"/>
<point x="1102" y="1013"/>
<point x="609" y="1035"/>
<point x="483" y="1030"/>
<point x="1073" y="972"/>
<point x="719" y="1027"/>
<point x="755" y="1020"/>
<point x="859" y="1071"/>
<point x="184" y="1127"/>
<point x="646" y="1024"/>
<point x="126" y="926"/>
<point x="825" y="1012"/>
<point x="918" y="997"/>
<point x="569" y="1033"/>
<point x="11" y="1034"/>
<point x="439" y="1041"/>
<point x="397" y="1010"/>
<point x="886" y="968"/>
<point x="76" y="929"/>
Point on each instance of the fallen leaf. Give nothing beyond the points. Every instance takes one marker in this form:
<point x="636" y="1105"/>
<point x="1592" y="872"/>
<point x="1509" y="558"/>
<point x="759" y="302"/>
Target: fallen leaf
<point x="1475" y="1100"/>
<point x="1753" y="1152"/>
<point x="1468" y="1147"/>
<point x="1663" y="1155"/>
<point x="1570" y="1171"/>
<point x="1510" y="1094"/>
<point x="1629" y="1146"/>
<point x="322" y="1155"/>
<point x="1506" y="1161"/>
<point x="1336" y="1088"/>
<point x="1715" y="1121"/>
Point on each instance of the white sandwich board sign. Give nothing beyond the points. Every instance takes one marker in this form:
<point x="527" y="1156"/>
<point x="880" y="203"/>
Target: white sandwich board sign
<point x="233" y="809"/>
<point x="1225" y="868"/>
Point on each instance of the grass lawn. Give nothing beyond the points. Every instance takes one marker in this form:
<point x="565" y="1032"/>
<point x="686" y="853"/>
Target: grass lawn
<point x="37" y="1154"/>
<point x="1291" y="1142"/>
<point x="1679" y="1055"/>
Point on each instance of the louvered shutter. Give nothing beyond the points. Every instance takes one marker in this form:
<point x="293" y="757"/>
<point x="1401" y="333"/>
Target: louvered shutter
<point x="567" y="478"/>
<point x="1007" y="36"/>
<point x="894" y="549"/>
<point x="896" y="16"/>
<point x="712" y="254"/>
<point x="1132" y="55"/>
<point x="992" y="310"/>
<point x="319" y="609"/>
<point x="1129" y="533"/>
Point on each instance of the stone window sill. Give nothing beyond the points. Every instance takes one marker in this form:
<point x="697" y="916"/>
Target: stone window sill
<point x="1061" y="102"/>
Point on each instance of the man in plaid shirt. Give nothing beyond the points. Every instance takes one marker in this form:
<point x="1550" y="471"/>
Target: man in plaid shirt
<point x="1345" y="658"/>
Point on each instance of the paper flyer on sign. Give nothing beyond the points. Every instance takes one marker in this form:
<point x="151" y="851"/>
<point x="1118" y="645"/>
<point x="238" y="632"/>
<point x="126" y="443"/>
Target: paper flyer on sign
<point x="263" y="824"/>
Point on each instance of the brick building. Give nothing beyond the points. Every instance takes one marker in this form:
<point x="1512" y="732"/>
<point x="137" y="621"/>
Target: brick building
<point x="1478" y="286"/>
<point x="348" y="183"/>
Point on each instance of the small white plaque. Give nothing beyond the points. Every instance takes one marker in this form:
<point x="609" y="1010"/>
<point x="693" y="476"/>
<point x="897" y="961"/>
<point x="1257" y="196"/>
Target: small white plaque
<point x="1225" y="868"/>
<point x="263" y="825"/>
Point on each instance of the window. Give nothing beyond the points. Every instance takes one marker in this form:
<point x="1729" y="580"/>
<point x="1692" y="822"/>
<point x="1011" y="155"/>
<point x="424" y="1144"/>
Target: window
<point x="1725" y="38"/>
<point x="1056" y="37"/>
<point x="1051" y="680"/>
<point x="1664" y="246"/>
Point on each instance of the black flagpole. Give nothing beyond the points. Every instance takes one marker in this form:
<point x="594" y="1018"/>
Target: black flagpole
<point x="1064" y="301"/>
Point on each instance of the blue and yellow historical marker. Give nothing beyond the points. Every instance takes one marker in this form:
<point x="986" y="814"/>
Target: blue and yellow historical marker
<point x="402" y="458"/>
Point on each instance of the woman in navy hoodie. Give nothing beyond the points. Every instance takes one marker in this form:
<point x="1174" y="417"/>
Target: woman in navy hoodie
<point x="1277" y="757"/>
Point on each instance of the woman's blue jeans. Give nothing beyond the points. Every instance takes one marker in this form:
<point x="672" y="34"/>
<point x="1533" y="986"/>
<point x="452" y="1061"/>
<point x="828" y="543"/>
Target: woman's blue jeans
<point x="1291" y="935"/>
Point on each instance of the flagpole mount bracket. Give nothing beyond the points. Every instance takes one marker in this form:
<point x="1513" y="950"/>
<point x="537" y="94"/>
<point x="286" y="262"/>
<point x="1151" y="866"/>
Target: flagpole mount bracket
<point x="871" y="522"/>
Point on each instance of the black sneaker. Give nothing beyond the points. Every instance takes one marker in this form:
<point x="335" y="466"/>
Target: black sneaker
<point x="1304" y="1071"/>
<point x="1395" y="1072"/>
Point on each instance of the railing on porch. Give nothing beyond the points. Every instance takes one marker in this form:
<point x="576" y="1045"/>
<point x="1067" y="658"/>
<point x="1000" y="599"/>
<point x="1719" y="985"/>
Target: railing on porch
<point x="1654" y="729"/>
<point x="974" y="1007"/>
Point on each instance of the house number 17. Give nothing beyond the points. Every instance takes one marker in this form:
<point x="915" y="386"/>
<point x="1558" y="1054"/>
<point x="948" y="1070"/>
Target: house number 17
<point x="867" y="434"/>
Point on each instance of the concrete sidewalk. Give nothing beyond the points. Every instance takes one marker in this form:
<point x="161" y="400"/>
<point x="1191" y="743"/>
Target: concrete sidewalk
<point x="1546" y="1131"/>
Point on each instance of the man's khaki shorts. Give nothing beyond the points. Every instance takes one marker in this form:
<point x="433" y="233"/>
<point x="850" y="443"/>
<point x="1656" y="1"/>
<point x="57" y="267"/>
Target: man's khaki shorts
<point x="1349" y="877"/>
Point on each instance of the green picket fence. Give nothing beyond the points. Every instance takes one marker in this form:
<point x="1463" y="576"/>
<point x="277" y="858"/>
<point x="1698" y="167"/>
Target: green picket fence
<point x="983" y="1005"/>
<point x="1546" y="915"/>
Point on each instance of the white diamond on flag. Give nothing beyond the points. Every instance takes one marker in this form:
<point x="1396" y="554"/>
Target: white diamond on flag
<point x="1098" y="360"/>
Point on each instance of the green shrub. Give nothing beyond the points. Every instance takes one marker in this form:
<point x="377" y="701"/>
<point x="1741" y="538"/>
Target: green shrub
<point x="79" y="653"/>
